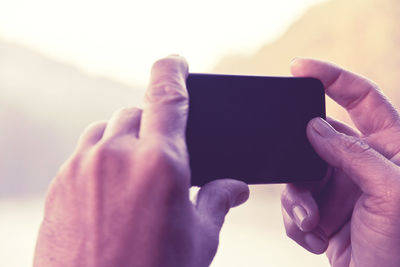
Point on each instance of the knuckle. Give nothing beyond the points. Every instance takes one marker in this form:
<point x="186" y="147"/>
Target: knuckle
<point x="94" y="127"/>
<point x="71" y="166"/>
<point x="291" y="196"/>
<point x="127" y="111"/>
<point x="354" y="152"/>
<point x="159" y="159"/>
<point x="369" y="86"/>
<point x="354" y="145"/>
<point x="168" y="81"/>
<point x="167" y="89"/>
<point x="109" y="151"/>
<point x="91" y="135"/>
<point x="65" y="180"/>
<point x="162" y="169"/>
<point x="164" y="166"/>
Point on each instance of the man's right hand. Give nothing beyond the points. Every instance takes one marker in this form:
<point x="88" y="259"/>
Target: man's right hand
<point x="122" y="199"/>
<point x="354" y="212"/>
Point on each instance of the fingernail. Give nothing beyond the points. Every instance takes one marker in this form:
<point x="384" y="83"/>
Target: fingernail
<point x="299" y="214"/>
<point x="241" y="198"/>
<point x="322" y="128"/>
<point x="315" y="242"/>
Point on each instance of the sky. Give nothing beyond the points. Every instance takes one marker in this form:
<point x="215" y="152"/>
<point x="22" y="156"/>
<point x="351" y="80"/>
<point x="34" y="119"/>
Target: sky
<point x="121" y="39"/>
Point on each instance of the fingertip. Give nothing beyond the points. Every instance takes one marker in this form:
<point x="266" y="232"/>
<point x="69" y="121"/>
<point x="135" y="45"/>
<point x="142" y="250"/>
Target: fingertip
<point x="298" y="66"/>
<point x="233" y="191"/>
<point x="310" y="130"/>
<point x="318" y="127"/>
<point x="312" y="136"/>
<point x="300" y="206"/>
<point x="316" y="242"/>
<point x="242" y="197"/>
<point x="300" y="216"/>
<point x="239" y="190"/>
<point x="216" y="198"/>
<point x="168" y="80"/>
<point x="125" y="120"/>
<point x="166" y="100"/>
<point x="308" y="67"/>
<point x="172" y="64"/>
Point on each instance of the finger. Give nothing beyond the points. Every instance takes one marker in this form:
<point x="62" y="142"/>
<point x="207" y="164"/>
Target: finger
<point x="342" y="127"/>
<point x="301" y="207"/>
<point x="166" y="101"/>
<point x="92" y="134"/>
<point x="328" y="204"/>
<point x="125" y="121"/>
<point x="367" y="106"/>
<point x="337" y="252"/>
<point x="336" y="201"/>
<point x="215" y="199"/>
<point x="368" y="169"/>
<point x="384" y="142"/>
<point x="315" y="241"/>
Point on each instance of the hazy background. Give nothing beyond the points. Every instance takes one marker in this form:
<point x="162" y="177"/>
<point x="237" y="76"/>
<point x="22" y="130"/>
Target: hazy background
<point x="64" y="64"/>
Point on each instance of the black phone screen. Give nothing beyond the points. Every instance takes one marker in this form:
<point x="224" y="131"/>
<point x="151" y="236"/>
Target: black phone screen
<point x="253" y="128"/>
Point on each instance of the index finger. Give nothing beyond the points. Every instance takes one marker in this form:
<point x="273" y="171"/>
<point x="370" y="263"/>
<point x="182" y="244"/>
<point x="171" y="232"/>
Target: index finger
<point x="166" y="101"/>
<point x="369" y="109"/>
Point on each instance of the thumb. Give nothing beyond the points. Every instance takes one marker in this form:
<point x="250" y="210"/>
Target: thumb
<point x="216" y="198"/>
<point x="370" y="170"/>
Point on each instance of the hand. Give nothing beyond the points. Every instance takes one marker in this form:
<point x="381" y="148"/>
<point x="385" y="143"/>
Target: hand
<point x="122" y="199"/>
<point x="354" y="213"/>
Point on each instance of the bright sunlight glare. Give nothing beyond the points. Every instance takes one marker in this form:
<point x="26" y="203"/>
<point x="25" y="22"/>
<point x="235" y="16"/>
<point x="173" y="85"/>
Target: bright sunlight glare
<point x="121" y="38"/>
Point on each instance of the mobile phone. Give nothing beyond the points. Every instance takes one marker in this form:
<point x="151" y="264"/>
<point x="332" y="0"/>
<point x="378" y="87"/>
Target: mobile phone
<point x="253" y="128"/>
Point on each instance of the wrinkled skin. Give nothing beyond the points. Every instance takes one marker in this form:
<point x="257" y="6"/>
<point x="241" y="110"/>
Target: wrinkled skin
<point x="354" y="213"/>
<point x="122" y="199"/>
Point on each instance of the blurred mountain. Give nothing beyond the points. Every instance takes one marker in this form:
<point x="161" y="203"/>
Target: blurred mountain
<point x="360" y="35"/>
<point x="44" y="106"/>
